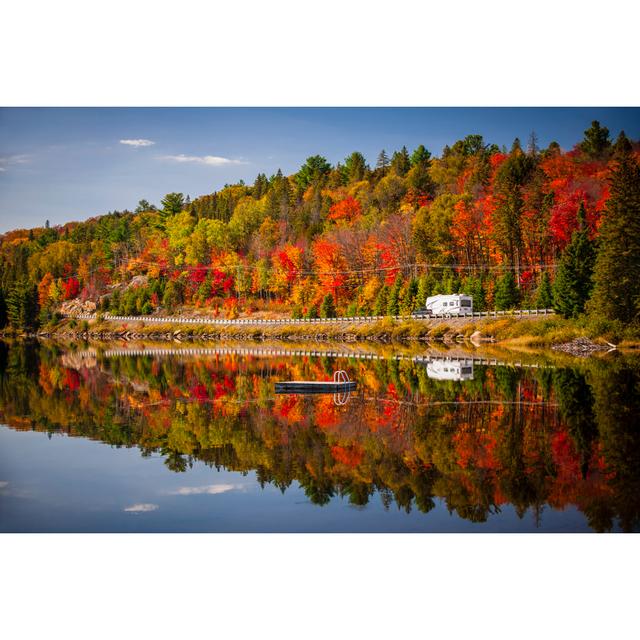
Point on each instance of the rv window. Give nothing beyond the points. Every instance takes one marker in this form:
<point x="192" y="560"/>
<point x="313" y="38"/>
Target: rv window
<point x="466" y="303"/>
<point x="467" y="370"/>
<point x="445" y="304"/>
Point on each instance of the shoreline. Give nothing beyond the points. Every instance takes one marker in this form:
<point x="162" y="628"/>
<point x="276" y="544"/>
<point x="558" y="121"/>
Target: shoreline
<point x="543" y="332"/>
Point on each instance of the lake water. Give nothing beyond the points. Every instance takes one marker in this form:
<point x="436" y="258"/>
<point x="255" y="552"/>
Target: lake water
<point x="129" y="439"/>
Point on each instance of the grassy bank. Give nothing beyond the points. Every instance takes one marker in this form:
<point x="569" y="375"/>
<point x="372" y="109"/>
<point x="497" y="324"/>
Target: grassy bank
<point x="557" y="330"/>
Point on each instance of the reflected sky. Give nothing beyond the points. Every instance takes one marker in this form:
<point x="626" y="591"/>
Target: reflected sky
<point x="63" y="484"/>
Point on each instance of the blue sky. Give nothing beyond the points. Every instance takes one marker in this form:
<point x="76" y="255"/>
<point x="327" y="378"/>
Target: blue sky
<point x="73" y="163"/>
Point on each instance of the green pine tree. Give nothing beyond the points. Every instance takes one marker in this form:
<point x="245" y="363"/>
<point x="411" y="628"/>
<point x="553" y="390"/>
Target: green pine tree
<point x="380" y="306"/>
<point x="424" y="289"/>
<point x="596" y="140"/>
<point x="328" y="307"/>
<point x="474" y="287"/>
<point x="573" y="282"/>
<point x="616" y="294"/>
<point x="383" y="161"/>
<point x="3" y="310"/>
<point x="506" y="294"/>
<point x="544" y="293"/>
<point x="22" y="306"/>
<point x="410" y="299"/>
<point x="400" y="162"/>
<point x="393" y="303"/>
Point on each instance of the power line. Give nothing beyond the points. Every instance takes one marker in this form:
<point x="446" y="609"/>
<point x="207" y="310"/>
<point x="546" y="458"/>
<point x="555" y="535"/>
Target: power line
<point x="305" y="272"/>
<point x="399" y="267"/>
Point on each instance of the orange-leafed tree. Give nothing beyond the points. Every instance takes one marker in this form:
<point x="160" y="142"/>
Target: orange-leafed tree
<point x="287" y="264"/>
<point x="44" y="288"/>
<point x="347" y="210"/>
<point x="330" y="266"/>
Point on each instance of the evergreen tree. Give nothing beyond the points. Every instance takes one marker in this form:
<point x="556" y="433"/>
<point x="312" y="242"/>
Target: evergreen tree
<point x="449" y="284"/>
<point x="22" y="305"/>
<point x="617" y="272"/>
<point x="383" y="161"/>
<point x="260" y="186"/>
<point x="532" y="146"/>
<point x="3" y="310"/>
<point x="380" y="306"/>
<point x="424" y="289"/>
<point x="420" y="180"/>
<point x="144" y="205"/>
<point x="172" y="295"/>
<point x="328" y="307"/>
<point x="420" y="156"/>
<point x="393" y="303"/>
<point x="400" y="162"/>
<point x="596" y="140"/>
<point x="172" y="203"/>
<point x="355" y="167"/>
<point x="544" y="293"/>
<point x="506" y="294"/>
<point x="426" y="286"/>
<point x="573" y="282"/>
<point x="312" y="171"/>
<point x="473" y="287"/>
<point x="410" y="301"/>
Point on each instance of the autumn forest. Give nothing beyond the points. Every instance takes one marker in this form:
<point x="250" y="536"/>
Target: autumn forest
<point x="525" y="227"/>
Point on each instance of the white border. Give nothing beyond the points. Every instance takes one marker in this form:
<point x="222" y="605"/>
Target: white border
<point x="495" y="52"/>
<point x="285" y="52"/>
<point x="314" y="586"/>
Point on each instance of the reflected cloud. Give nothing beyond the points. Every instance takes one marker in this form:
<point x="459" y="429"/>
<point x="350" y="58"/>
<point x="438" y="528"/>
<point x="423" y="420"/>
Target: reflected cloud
<point x="210" y="489"/>
<point x="142" y="507"/>
<point x="9" y="161"/>
<point x="11" y="491"/>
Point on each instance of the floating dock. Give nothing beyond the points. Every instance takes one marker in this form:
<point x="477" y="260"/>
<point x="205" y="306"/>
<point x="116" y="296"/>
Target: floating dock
<point x="339" y="384"/>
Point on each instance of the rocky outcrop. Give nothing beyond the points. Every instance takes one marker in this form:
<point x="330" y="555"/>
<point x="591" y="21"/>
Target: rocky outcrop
<point x="72" y="307"/>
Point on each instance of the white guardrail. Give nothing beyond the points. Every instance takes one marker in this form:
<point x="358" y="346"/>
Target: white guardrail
<point x="350" y="319"/>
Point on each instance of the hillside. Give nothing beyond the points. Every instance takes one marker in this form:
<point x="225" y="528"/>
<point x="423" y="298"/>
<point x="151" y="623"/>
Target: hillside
<point x="524" y="227"/>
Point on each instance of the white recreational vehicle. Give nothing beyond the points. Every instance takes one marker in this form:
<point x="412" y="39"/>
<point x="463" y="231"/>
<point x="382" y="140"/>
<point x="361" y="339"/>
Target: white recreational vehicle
<point x="450" y="369"/>
<point x="457" y="304"/>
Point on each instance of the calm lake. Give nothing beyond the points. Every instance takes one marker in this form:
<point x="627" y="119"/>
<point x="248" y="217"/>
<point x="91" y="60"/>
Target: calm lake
<point x="161" y="438"/>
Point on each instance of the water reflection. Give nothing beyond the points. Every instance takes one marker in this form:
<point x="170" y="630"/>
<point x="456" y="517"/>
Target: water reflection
<point x="447" y="369"/>
<point x="475" y="437"/>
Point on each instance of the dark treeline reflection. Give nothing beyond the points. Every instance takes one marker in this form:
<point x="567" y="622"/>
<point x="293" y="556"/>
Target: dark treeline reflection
<point x="534" y="438"/>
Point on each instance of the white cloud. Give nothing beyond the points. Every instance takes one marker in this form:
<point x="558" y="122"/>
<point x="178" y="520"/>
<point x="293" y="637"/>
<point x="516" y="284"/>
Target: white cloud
<point x="8" y="161"/>
<point x="211" y="489"/>
<point x="142" y="507"/>
<point x="214" y="161"/>
<point x="137" y="142"/>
